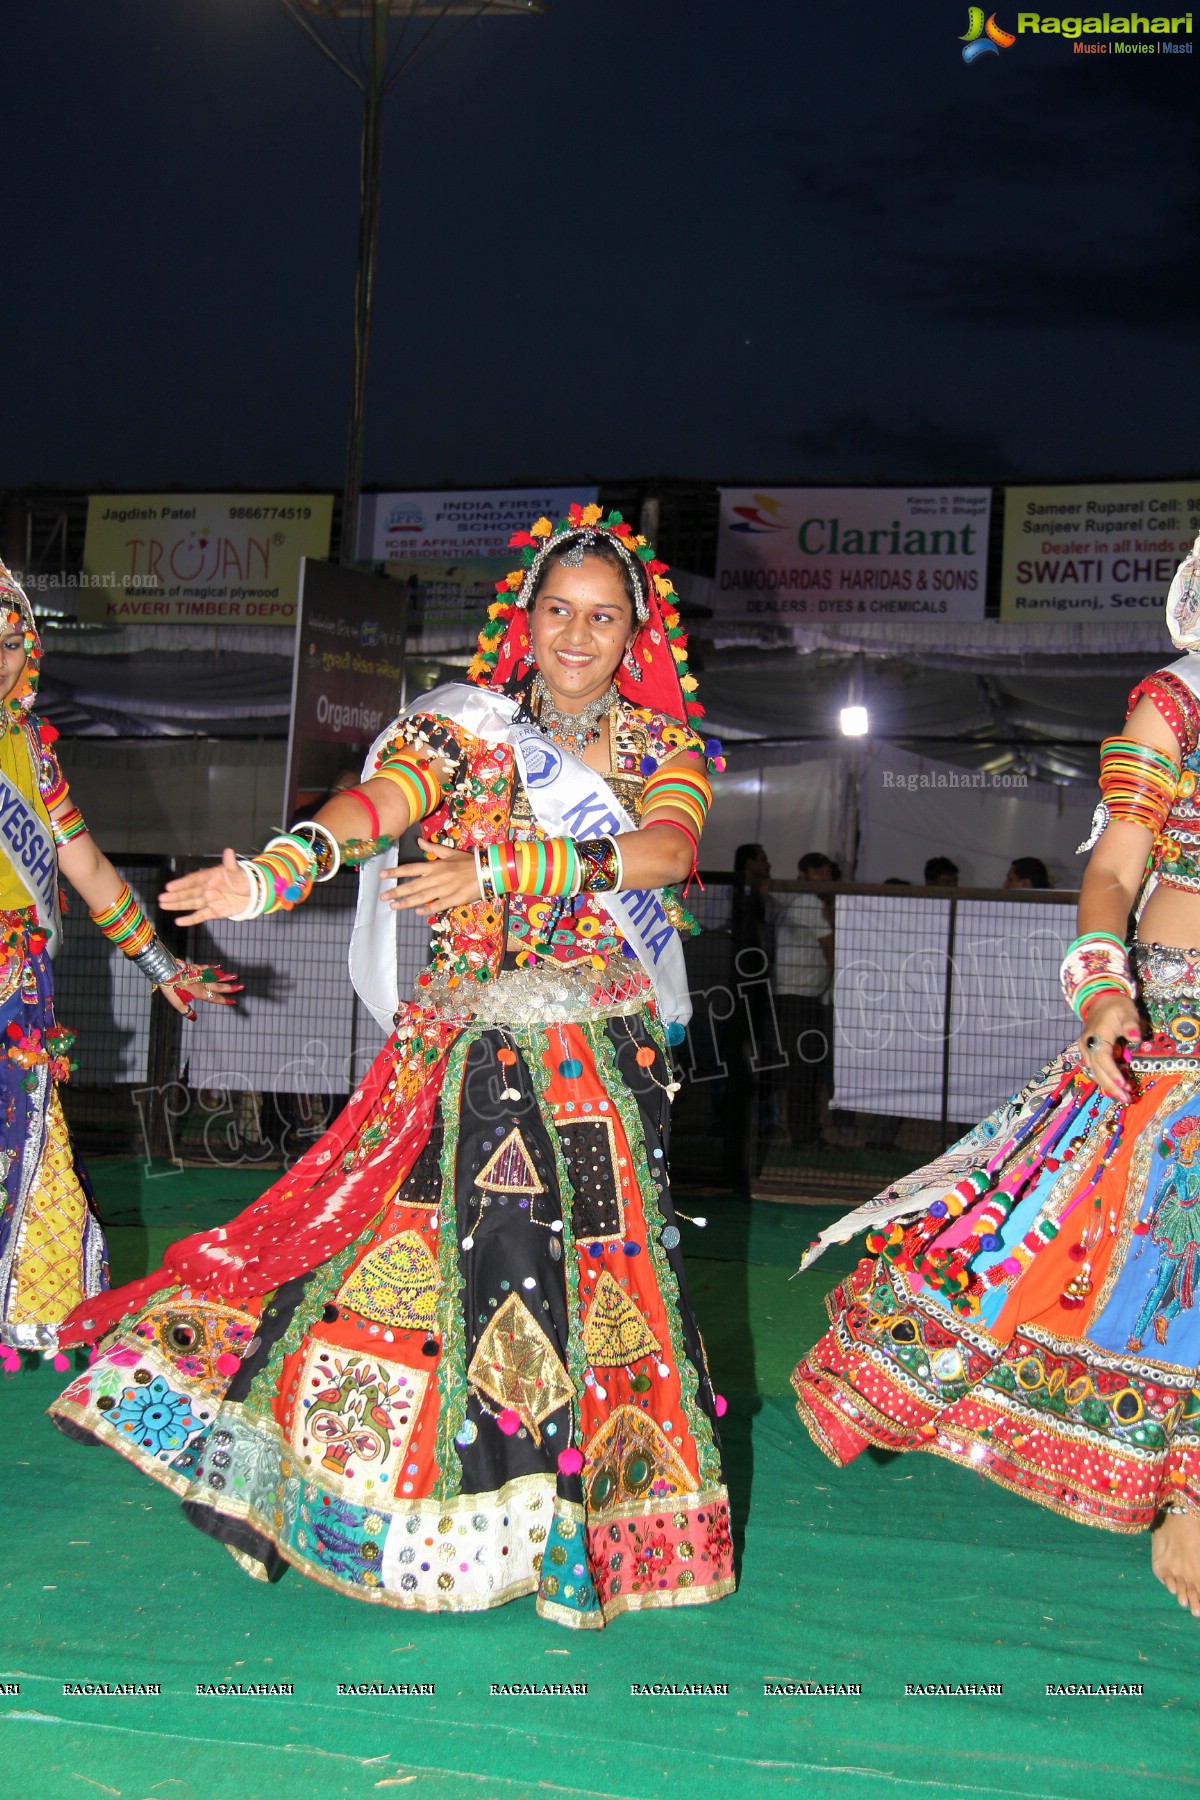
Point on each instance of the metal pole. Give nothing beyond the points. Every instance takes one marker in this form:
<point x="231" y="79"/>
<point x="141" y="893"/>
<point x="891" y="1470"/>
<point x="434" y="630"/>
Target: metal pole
<point x="408" y="592"/>
<point x="370" y="173"/>
<point x="947" y="1004"/>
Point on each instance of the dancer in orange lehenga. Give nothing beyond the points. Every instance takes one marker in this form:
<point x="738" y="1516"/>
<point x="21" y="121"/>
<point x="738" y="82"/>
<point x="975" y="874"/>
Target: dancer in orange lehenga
<point x="1030" y="1306"/>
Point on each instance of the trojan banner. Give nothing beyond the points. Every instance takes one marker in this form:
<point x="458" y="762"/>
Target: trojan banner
<point x="199" y="558"/>
<point x="786" y="554"/>
<point x="1104" y="552"/>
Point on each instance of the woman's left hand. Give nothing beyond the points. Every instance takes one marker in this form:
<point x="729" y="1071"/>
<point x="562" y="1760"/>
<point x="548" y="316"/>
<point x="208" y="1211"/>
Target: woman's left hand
<point x="449" y="880"/>
<point x="182" y="994"/>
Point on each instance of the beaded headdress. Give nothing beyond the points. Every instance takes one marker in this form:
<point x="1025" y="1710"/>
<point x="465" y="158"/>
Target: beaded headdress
<point x="17" y="614"/>
<point x="1183" y="602"/>
<point x="654" y="674"/>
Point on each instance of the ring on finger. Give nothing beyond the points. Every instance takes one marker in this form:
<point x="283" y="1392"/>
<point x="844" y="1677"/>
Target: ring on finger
<point x="1092" y="1044"/>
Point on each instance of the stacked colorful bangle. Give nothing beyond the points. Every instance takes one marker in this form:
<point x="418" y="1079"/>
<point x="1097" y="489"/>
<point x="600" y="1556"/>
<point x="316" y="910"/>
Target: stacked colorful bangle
<point x="1097" y="963"/>
<point x="682" y="790"/>
<point x="67" y="823"/>
<point x="290" y="865"/>
<point x="125" y="924"/>
<point x="1137" y="781"/>
<point x="281" y="875"/>
<point x="546" y="866"/>
<point x="416" y="780"/>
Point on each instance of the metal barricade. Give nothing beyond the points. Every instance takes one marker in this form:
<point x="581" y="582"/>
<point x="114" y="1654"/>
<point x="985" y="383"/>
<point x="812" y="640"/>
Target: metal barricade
<point x="811" y="1069"/>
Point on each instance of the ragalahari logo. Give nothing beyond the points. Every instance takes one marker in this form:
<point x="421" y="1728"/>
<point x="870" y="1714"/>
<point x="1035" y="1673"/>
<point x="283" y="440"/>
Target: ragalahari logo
<point x="750" y="518"/>
<point x="983" y="37"/>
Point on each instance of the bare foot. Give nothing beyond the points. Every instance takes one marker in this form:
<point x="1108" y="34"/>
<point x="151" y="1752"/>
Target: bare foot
<point x="1175" y="1557"/>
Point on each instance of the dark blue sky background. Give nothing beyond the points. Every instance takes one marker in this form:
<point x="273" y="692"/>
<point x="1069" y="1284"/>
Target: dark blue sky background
<point x="758" y="239"/>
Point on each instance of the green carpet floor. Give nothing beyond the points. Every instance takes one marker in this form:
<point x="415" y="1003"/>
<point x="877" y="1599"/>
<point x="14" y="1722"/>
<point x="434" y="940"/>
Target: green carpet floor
<point x="896" y="1571"/>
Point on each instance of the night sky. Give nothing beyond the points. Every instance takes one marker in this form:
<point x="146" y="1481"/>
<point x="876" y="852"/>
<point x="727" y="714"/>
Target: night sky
<point x="754" y="240"/>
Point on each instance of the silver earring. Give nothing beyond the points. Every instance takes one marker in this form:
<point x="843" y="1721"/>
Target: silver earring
<point x="633" y="668"/>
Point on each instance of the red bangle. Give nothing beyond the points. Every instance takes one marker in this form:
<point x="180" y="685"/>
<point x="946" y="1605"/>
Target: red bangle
<point x="675" y="825"/>
<point x="356" y="793"/>
<point x="693" y="840"/>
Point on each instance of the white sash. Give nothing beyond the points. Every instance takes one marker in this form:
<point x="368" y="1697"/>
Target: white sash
<point x="28" y="847"/>
<point x="567" y="799"/>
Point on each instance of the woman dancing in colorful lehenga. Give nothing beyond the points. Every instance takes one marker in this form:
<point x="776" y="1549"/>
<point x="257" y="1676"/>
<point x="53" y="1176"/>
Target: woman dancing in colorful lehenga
<point x="52" y="1251"/>
<point x="448" y="1359"/>
<point x="1038" y="1319"/>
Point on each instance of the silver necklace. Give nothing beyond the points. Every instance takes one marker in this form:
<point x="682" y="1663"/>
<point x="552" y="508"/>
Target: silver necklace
<point x="577" y="731"/>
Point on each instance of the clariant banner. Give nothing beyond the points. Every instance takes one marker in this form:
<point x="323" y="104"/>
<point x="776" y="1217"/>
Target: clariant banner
<point x="823" y="553"/>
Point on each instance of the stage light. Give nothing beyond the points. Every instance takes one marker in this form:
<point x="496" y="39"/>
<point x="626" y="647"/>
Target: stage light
<point x="854" y="721"/>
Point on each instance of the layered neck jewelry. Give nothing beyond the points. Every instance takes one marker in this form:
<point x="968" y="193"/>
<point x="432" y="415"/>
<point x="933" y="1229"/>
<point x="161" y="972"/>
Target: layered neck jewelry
<point x="576" y="731"/>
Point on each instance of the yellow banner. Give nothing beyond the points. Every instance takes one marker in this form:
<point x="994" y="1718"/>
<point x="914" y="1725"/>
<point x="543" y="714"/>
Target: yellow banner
<point x="174" y="559"/>
<point x="1095" y="552"/>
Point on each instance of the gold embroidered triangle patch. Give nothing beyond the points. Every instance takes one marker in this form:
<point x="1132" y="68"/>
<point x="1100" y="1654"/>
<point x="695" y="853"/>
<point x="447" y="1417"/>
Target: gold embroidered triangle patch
<point x="396" y="1284"/>
<point x="516" y="1365"/>
<point x="631" y="1458"/>
<point x="509" y="1169"/>
<point x="614" y="1331"/>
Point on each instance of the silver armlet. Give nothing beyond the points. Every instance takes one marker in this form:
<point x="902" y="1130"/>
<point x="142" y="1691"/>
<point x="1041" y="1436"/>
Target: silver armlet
<point x="156" y="963"/>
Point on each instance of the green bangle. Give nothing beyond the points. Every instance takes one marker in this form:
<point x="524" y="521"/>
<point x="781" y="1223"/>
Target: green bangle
<point x="1092" y="990"/>
<point x="1091" y="937"/>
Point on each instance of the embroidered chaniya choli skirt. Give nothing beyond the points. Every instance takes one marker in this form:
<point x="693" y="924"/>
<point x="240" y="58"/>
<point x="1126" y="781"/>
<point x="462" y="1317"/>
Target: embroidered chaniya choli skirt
<point x="448" y="1359"/>
<point x="1038" y="1320"/>
<point x="52" y="1252"/>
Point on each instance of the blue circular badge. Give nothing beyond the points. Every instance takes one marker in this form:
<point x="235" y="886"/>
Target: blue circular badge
<point x="542" y="763"/>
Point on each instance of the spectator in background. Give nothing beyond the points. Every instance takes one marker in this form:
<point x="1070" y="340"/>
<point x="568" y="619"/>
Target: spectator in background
<point x="749" y="926"/>
<point x="1027" y="872"/>
<point x="803" y="971"/>
<point x="750" y="1038"/>
<point x="941" y="872"/>
<point x="814" y="866"/>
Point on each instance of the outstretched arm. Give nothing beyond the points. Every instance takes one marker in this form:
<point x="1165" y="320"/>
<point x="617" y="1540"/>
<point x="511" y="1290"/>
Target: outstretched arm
<point x="222" y="889"/>
<point x="99" y="885"/>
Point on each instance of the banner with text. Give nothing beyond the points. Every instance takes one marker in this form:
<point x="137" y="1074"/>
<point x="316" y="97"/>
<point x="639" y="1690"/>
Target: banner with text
<point x="452" y="547"/>
<point x="450" y="526"/>
<point x="785" y="554"/>
<point x="1095" y="552"/>
<point x="346" y="680"/>
<point x="199" y="558"/>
